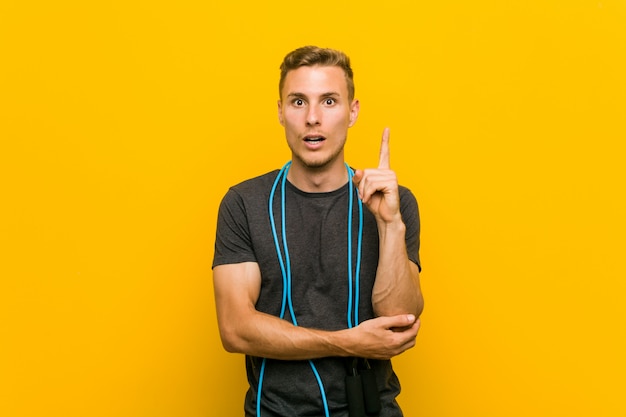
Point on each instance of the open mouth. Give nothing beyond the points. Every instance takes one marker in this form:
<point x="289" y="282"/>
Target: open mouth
<point x="314" y="139"/>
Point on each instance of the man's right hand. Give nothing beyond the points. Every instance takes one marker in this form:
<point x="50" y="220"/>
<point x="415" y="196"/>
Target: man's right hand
<point x="384" y="337"/>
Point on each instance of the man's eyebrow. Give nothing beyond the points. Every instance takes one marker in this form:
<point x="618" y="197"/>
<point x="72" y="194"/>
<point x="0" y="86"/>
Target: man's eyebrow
<point x="323" y="95"/>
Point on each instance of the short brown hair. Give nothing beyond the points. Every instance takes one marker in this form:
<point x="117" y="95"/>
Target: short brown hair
<point x="309" y="56"/>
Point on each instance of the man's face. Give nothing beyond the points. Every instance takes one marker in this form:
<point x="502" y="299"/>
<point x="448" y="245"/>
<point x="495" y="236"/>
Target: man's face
<point x="316" y="113"/>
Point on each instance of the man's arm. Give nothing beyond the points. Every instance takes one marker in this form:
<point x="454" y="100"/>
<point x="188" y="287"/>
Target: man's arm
<point x="244" y="329"/>
<point x="397" y="288"/>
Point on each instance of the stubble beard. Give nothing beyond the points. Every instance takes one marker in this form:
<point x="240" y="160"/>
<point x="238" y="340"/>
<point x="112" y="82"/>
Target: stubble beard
<point x="318" y="163"/>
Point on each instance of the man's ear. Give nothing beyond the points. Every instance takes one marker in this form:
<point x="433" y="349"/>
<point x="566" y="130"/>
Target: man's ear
<point x="354" y="112"/>
<point x="280" y="113"/>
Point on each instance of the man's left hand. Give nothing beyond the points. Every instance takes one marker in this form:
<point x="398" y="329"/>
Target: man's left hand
<point x="378" y="187"/>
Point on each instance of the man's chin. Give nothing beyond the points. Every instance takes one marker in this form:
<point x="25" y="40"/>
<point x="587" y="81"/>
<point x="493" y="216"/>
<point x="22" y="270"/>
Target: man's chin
<point x="316" y="162"/>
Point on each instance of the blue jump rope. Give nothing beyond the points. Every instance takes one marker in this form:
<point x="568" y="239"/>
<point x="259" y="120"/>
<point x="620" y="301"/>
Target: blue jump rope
<point x="285" y="268"/>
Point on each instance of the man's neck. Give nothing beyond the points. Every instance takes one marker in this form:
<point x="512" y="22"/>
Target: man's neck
<point x="317" y="180"/>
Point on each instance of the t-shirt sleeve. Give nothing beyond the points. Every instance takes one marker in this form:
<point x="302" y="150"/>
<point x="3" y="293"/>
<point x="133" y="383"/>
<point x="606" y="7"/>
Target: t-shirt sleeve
<point x="232" y="241"/>
<point x="411" y="218"/>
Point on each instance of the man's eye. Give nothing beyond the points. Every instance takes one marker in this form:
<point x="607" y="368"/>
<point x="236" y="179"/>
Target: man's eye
<point x="329" y="101"/>
<point x="298" y="102"/>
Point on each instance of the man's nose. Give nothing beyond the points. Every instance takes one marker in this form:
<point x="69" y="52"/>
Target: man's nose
<point x="313" y="116"/>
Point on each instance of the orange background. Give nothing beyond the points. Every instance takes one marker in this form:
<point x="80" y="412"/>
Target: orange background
<point x="123" y="123"/>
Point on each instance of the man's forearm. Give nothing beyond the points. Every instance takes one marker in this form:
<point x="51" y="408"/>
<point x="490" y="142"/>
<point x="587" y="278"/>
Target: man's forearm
<point x="397" y="288"/>
<point x="271" y="337"/>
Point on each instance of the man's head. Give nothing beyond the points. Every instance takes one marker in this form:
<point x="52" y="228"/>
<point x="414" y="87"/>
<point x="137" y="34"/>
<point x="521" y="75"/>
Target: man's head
<point x="309" y="56"/>
<point x="316" y="107"/>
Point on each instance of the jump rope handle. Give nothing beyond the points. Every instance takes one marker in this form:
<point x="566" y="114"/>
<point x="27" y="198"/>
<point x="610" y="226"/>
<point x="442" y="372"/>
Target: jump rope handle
<point x="354" y="392"/>
<point x="371" y="396"/>
<point x="362" y="390"/>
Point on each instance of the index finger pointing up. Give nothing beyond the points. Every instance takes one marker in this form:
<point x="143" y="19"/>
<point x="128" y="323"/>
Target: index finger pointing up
<point x="383" y="162"/>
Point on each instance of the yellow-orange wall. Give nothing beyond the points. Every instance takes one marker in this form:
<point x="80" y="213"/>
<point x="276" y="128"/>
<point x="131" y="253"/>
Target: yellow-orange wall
<point x="122" y="123"/>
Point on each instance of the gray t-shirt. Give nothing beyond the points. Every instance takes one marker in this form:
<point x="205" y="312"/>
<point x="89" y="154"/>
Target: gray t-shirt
<point x="316" y="230"/>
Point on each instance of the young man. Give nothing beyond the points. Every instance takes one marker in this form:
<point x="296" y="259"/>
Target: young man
<point x="316" y="268"/>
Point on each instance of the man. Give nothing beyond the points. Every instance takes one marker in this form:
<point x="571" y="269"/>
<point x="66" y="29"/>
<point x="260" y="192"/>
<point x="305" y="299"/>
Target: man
<point x="316" y="291"/>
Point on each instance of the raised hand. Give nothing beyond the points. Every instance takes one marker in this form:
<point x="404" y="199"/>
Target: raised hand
<point x="378" y="187"/>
